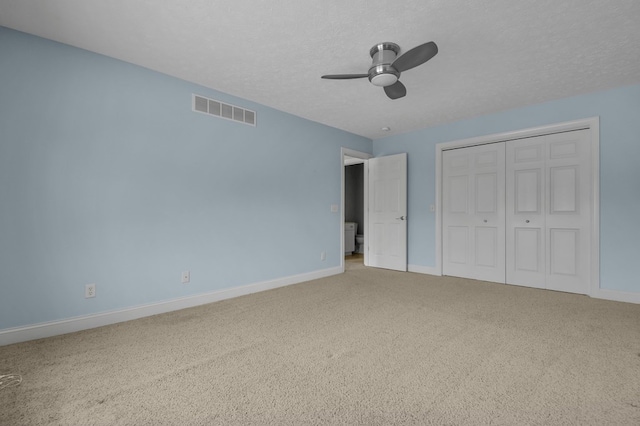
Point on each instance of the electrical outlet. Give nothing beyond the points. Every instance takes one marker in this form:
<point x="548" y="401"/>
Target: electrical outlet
<point x="186" y="277"/>
<point x="89" y="291"/>
<point x="323" y="255"/>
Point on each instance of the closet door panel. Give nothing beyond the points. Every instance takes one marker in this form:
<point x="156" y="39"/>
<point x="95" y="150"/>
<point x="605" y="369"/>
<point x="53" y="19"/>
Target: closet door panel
<point x="569" y="214"/>
<point x="548" y="200"/>
<point x="473" y="212"/>
<point x="525" y="219"/>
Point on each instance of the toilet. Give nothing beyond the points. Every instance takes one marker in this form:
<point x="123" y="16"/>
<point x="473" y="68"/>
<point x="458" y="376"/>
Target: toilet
<point x="359" y="243"/>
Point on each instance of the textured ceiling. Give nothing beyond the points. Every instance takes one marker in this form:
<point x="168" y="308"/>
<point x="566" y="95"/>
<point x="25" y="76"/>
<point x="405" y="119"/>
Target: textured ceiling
<point x="494" y="54"/>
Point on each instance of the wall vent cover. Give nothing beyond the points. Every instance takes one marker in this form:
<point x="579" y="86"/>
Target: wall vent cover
<point x="223" y="110"/>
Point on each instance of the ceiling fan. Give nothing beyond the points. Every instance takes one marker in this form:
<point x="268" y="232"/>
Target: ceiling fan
<point x="386" y="67"/>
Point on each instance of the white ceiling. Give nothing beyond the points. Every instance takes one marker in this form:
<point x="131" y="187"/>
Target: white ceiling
<point x="494" y="54"/>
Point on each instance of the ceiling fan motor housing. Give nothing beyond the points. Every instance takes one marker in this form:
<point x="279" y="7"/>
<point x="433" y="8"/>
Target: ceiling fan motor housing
<point x="381" y="72"/>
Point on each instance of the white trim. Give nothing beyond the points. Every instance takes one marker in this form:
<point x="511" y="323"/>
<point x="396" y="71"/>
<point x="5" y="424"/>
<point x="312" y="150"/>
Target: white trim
<point x="346" y="152"/>
<point x="365" y="234"/>
<point x="606" y="294"/>
<point x="618" y="296"/>
<point x="587" y="123"/>
<point x="85" y="322"/>
<point x="438" y="212"/>
<point x="70" y="325"/>
<point x="593" y="124"/>
<point x="357" y="154"/>
<point x="427" y="270"/>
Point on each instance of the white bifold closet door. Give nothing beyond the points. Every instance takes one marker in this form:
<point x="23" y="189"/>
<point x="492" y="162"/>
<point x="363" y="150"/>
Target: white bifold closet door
<point x="473" y="222"/>
<point x="549" y="211"/>
<point x="519" y="212"/>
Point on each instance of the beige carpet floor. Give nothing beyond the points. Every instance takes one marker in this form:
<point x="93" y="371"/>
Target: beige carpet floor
<point x="369" y="347"/>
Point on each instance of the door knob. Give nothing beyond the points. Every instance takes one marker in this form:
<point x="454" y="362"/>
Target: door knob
<point x="527" y="221"/>
<point x="400" y="218"/>
<point x="485" y="221"/>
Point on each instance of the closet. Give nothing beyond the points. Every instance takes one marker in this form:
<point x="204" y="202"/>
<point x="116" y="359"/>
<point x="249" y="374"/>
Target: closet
<point x="519" y="212"/>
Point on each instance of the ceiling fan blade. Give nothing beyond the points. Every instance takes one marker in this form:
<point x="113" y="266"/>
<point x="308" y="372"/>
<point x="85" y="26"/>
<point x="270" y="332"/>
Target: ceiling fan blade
<point x="416" y="56"/>
<point x="396" y="90"/>
<point x="344" y="76"/>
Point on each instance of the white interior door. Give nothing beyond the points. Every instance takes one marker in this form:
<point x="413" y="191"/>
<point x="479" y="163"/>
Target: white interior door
<point x="549" y="219"/>
<point x="387" y="227"/>
<point x="473" y="198"/>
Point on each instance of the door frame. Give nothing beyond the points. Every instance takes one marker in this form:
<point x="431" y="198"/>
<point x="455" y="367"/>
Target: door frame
<point x="592" y="124"/>
<point x="347" y="152"/>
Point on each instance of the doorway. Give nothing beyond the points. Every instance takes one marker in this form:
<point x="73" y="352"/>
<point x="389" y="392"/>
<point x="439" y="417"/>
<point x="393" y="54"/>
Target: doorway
<point x="354" y="173"/>
<point x="354" y="210"/>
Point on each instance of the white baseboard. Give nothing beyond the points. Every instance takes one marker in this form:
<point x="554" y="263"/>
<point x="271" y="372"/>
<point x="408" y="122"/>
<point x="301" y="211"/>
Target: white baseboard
<point x="614" y="295"/>
<point x="70" y="325"/>
<point x="618" y="296"/>
<point x="429" y="270"/>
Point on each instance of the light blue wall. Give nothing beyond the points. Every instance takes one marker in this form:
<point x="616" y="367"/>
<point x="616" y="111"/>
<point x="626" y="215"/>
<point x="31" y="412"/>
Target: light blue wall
<point x="619" y="112"/>
<point x="108" y="177"/>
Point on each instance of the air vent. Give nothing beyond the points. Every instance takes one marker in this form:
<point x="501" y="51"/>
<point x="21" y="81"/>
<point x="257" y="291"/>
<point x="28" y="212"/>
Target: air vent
<point x="200" y="104"/>
<point x="223" y="110"/>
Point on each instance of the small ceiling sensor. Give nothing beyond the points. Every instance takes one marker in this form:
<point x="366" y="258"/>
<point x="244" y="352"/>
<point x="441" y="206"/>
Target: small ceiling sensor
<point x="386" y="129"/>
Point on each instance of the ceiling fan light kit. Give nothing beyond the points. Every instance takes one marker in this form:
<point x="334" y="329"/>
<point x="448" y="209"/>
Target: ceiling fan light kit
<point x="386" y="66"/>
<point x="381" y="73"/>
<point x="382" y="77"/>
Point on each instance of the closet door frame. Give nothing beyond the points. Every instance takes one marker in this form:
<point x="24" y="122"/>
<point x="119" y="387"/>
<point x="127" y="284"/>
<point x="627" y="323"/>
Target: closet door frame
<point x="592" y="124"/>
